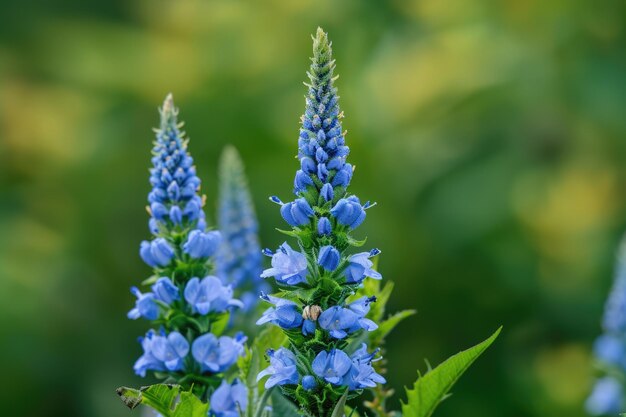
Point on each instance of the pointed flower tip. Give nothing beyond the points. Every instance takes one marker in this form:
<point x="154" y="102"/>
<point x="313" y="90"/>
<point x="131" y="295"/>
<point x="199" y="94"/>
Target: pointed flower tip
<point x="320" y="41"/>
<point x="168" y="110"/>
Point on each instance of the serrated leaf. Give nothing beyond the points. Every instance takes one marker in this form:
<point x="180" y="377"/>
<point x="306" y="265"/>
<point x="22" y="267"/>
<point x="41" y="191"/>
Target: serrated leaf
<point x="432" y="388"/>
<point x="340" y="408"/>
<point x="282" y="407"/>
<point x="161" y="398"/>
<point x="190" y="406"/>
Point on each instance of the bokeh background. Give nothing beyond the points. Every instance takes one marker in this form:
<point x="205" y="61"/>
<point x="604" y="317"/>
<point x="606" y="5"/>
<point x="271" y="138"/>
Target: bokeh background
<point x="492" y="135"/>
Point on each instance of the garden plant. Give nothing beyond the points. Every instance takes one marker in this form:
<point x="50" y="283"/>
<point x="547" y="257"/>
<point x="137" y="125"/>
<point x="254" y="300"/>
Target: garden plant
<point x="320" y="347"/>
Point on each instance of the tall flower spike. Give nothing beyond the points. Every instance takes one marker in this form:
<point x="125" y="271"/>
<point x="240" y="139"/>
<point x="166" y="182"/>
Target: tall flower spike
<point x="609" y="393"/>
<point x="238" y="259"/>
<point x="184" y="301"/>
<point x="318" y="276"/>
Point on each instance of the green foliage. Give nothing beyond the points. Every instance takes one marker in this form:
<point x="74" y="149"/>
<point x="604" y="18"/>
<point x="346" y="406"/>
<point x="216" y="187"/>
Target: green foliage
<point x="167" y="400"/>
<point x="433" y="387"/>
<point x="283" y="407"/>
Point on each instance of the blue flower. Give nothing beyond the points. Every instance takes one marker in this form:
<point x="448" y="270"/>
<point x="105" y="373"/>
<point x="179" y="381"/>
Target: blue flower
<point x="606" y="398"/>
<point x="285" y="314"/>
<point x="324" y="227"/>
<point x="209" y="295"/>
<point x="202" y="244"/>
<point x="170" y="350"/>
<point x="359" y="267"/>
<point x="611" y="349"/>
<point x="332" y="366"/>
<point x="144" y="306"/>
<point x="362" y="374"/>
<point x="157" y="253"/>
<point x="297" y="212"/>
<point x="282" y="369"/>
<point x="217" y="354"/>
<point x="302" y="181"/>
<point x="164" y="290"/>
<point x="328" y="258"/>
<point x="614" y="319"/>
<point x="147" y="361"/>
<point x="227" y="399"/>
<point x="238" y="260"/>
<point x="308" y="382"/>
<point x="340" y="321"/>
<point x="174" y="197"/>
<point x="349" y="212"/>
<point x="337" y="321"/>
<point x="288" y="266"/>
<point x="308" y="327"/>
<point x="327" y="192"/>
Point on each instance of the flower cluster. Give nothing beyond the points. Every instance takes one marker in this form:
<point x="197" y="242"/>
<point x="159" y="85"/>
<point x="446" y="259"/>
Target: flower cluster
<point x="318" y="308"/>
<point x="187" y="305"/>
<point x="609" y="396"/>
<point x="238" y="260"/>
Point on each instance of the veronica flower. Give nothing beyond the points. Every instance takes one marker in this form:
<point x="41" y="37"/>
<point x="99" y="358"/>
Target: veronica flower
<point x="332" y="366"/>
<point x="328" y="258"/>
<point x="288" y="266"/>
<point x="165" y="291"/>
<point x="318" y="278"/>
<point x="209" y="295"/>
<point x="157" y="253"/>
<point x="217" y="354"/>
<point x="360" y="267"/>
<point x="340" y="321"/>
<point x="147" y="361"/>
<point x="181" y="249"/>
<point x="202" y="244"/>
<point x="282" y="369"/>
<point x="238" y="260"/>
<point x="607" y="397"/>
<point x="144" y="306"/>
<point x="227" y="399"/>
<point x="285" y="314"/>
<point x="171" y="350"/>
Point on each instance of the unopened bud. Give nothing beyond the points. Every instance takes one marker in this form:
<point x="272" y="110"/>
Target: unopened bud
<point x="311" y="312"/>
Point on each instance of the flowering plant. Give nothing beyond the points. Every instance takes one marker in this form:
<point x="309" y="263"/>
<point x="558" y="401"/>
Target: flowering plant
<point x="609" y="395"/>
<point x="187" y="305"/>
<point x="325" y="345"/>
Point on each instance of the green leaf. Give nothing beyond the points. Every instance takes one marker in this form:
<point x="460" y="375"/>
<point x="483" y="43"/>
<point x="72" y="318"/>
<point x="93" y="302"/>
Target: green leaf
<point x="282" y="407"/>
<point x="161" y="398"/>
<point x="340" y="408"/>
<point x="432" y="388"/>
<point x="219" y="324"/>
<point x="260" y="407"/>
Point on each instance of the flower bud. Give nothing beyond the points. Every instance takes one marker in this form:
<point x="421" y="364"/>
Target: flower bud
<point x="311" y="312"/>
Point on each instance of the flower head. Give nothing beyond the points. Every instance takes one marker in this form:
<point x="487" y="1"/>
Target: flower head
<point x="217" y="354"/>
<point x="282" y="369"/>
<point x="157" y="253"/>
<point x="606" y="398"/>
<point x="202" y="244"/>
<point x="359" y="267"/>
<point x="288" y="266"/>
<point x="285" y="314"/>
<point x="165" y="291"/>
<point x="144" y="306"/>
<point x="227" y="399"/>
<point x="238" y="260"/>
<point x="209" y="295"/>
<point x="332" y="366"/>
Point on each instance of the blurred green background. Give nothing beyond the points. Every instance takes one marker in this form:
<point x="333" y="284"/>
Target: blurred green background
<point x="492" y="135"/>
